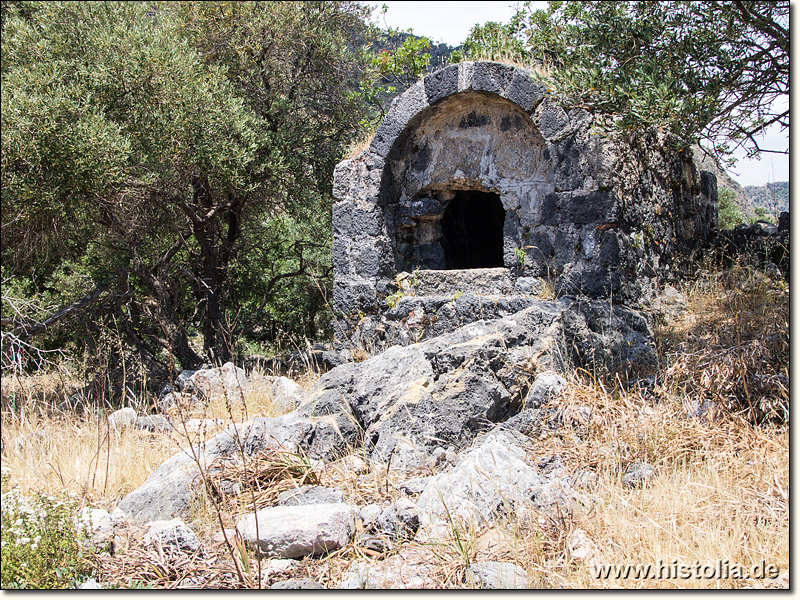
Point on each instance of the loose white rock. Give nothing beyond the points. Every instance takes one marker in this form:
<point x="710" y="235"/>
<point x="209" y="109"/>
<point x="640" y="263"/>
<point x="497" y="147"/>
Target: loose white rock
<point x="97" y="525"/>
<point x="174" y="533"/>
<point x="298" y="531"/>
<point x="124" y="417"/>
<point x="227" y="381"/>
<point x="493" y="575"/>
<point x="287" y="395"/>
<point x="581" y="548"/>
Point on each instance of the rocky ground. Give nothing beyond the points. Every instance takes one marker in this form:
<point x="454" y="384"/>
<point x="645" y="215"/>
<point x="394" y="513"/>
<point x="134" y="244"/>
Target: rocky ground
<point x="481" y="458"/>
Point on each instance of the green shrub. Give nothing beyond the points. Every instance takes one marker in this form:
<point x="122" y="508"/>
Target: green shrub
<point x="40" y="547"/>
<point x="729" y="214"/>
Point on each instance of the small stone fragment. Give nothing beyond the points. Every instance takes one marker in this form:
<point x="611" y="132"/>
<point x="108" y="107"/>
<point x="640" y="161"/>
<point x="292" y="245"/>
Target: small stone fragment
<point x="173" y="533"/>
<point x="638" y="474"/>
<point x="124" y="417"/>
<point x="494" y="575"/>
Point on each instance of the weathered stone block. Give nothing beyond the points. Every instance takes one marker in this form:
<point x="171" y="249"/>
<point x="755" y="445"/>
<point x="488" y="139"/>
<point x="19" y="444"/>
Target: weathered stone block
<point x="524" y="92"/>
<point x="343" y="179"/>
<point x="465" y="75"/>
<point x="580" y="208"/>
<point x="422" y="209"/>
<point x="441" y="84"/>
<point x="491" y="77"/>
<point x="568" y="173"/>
<point x="352" y="220"/>
<point x="352" y="296"/>
<point x="552" y="120"/>
<point x="412" y="102"/>
<point x="341" y="258"/>
<point x="298" y="531"/>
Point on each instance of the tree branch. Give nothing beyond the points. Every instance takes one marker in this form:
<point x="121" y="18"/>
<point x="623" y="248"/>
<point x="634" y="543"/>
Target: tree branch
<point x="29" y="331"/>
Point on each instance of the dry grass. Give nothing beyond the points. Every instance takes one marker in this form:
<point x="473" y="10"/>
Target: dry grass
<point x="360" y="145"/>
<point x="721" y="489"/>
<point x="56" y="452"/>
<point x="720" y="492"/>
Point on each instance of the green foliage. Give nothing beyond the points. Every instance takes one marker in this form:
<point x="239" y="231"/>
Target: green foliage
<point x="712" y="70"/>
<point x="153" y="150"/>
<point x="729" y="213"/>
<point x="274" y="303"/>
<point x="393" y="299"/>
<point x="519" y="253"/>
<point x="41" y="548"/>
<point x="407" y="63"/>
<point x="496" y="41"/>
<point x="760" y="214"/>
<point x="399" y="60"/>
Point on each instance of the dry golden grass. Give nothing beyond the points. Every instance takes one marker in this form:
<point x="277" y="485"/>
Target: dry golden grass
<point x="721" y="489"/>
<point x="52" y="452"/>
<point x="359" y="146"/>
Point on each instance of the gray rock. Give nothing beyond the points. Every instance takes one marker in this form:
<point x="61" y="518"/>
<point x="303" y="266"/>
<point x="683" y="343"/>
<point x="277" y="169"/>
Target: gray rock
<point x="175" y="398"/>
<point x="491" y="76"/>
<point x="401" y="571"/>
<point x="286" y="395"/>
<point x="534" y="422"/>
<point x="399" y="520"/>
<point x="307" y="494"/>
<point x="306" y="583"/>
<point x="402" y="111"/>
<point x="586" y="480"/>
<point x="783" y="221"/>
<point x="156" y="423"/>
<point x="415" y="486"/>
<point x="124" y="417"/>
<point x="369" y="515"/>
<point x="173" y="487"/>
<point x="529" y="285"/>
<point x="174" y="534"/>
<point x="493" y="575"/>
<point x="442" y="83"/>
<point x="98" y="527"/>
<point x="638" y="474"/>
<point x="73" y="403"/>
<point x="90" y="584"/>
<point x="581" y="548"/>
<point x="298" y="531"/>
<point x="273" y="566"/>
<point x="377" y="543"/>
<point x="491" y="479"/>
<point x="227" y="381"/>
<point x="410" y="400"/>
<point x="605" y="338"/>
<point x="184" y="381"/>
<point x="524" y="92"/>
<point x="546" y="387"/>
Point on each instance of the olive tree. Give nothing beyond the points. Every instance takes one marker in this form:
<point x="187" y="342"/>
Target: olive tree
<point x="146" y="145"/>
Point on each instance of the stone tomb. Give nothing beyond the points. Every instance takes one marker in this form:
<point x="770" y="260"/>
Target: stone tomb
<point x="478" y="182"/>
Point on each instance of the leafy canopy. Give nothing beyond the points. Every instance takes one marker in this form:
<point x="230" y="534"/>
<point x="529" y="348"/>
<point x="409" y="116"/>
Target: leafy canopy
<point x="717" y="71"/>
<point x="149" y="147"/>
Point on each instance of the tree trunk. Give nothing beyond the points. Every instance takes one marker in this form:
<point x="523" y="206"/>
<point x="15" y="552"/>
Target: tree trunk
<point x="174" y="332"/>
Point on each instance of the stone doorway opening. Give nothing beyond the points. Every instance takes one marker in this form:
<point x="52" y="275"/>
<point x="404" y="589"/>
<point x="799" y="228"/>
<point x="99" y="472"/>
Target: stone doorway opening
<point x="472" y="230"/>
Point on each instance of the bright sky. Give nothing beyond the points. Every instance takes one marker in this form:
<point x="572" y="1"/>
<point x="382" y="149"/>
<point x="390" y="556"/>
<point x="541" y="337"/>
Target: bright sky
<point x="450" y="22"/>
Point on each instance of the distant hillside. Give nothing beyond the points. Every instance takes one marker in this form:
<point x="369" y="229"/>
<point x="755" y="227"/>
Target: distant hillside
<point x="706" y="162"/>
<point x="753" y="201"/>
<point x="772" y="197"/>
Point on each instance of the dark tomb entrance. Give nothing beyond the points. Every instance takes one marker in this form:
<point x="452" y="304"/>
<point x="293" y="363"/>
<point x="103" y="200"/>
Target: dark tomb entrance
<point x="472" y="231"/>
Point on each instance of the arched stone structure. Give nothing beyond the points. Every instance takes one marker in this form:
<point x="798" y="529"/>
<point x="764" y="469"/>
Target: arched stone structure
<point x="479" y="146"/>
